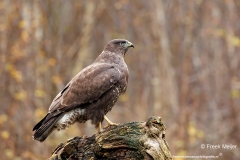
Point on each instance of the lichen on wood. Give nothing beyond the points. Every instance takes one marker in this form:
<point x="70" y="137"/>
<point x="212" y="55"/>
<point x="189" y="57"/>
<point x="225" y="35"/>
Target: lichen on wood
<point x="135" y="140"/>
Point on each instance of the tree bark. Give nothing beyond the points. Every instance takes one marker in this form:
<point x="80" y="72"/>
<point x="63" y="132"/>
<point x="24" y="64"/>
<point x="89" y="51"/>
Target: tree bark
<point x="135" y="140"/>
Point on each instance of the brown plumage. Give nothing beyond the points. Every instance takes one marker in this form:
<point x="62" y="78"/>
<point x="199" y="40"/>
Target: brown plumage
<point x="90" y="94"/>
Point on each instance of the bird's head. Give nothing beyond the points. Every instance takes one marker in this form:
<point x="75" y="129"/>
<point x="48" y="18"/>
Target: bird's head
<point x="118" y="45"/>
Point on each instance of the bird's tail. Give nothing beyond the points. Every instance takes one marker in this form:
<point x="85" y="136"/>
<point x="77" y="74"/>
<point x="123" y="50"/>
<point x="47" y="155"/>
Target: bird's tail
<point x="45" y="127"/>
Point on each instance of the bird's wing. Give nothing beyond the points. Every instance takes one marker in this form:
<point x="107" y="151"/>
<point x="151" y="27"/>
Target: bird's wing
<point x="87" y="86"/>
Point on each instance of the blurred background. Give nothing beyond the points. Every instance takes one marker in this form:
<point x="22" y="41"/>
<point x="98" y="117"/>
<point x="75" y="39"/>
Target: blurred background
<point x="185" y="67"/>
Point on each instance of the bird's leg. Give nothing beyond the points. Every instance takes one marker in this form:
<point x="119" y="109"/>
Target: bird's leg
<point x="99" y="127"/>
<point x="110" y="123"/>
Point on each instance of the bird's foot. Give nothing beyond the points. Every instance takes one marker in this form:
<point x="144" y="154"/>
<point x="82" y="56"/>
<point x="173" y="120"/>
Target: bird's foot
<point x="110" y="123"/>
<point x="99" y="127"/>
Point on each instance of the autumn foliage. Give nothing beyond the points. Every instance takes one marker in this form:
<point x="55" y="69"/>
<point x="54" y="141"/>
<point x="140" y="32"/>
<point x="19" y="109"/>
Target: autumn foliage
<point x="185" y="67"/>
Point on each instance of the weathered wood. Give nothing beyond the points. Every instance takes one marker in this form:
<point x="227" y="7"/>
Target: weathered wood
<point x="135" y="140"/>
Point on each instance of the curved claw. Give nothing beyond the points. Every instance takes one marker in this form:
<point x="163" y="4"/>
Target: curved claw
<point x="110" y="123"/>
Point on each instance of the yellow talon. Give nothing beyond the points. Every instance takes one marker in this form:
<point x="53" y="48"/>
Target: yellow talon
<point x="110" y="123"/>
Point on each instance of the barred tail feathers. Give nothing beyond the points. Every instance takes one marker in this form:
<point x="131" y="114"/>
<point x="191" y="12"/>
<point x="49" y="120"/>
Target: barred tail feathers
<point x="45" y="127"/>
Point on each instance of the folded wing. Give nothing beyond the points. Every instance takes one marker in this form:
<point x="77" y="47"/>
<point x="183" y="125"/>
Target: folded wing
<point x="86" y="87"/>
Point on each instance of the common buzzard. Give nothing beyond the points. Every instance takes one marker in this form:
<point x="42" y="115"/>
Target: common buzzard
<point x="91" y="94"/>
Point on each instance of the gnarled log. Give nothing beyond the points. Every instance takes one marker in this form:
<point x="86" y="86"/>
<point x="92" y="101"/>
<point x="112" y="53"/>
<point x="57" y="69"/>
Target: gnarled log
<point x="135" y="140"/>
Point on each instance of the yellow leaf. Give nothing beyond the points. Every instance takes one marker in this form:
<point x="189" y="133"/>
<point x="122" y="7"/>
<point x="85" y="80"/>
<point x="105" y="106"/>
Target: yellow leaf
<point x="21" y="95"/>
<point x="52" y="62"/>
<point x="25" y="36"/>
<point x="9" y="153"/>
<point x="9" y="67"/>
<point x="179" y="143"/>
<point x="235" y="93"/>
<point x="40" y="113"/>
<point x="200" y="134"/>
<point x="42" y="54"/>
<point x="40" y="93"/>
<point x="27" y="155"/>
<point x="5" y="134"/>
<point x="3" y="118"/>
<point x="17" y="75"/>
<point x="194" y="132"/>
<point x="235" y="41"/>
<point x="220" y="32"/>
<point x="192" y="129"/>
<point x="17" y="52"/>
<point x="22" y="24"/>
<point x="56" y="79"/>
<point x="182" y="153"/>
<point x="123" y="98"/>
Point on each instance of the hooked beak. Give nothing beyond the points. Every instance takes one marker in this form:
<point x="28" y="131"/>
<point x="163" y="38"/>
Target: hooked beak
<point x="129" y="44"/>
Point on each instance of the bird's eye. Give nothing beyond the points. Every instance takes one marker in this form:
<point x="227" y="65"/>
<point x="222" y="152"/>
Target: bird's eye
<point x="122" y="43"/>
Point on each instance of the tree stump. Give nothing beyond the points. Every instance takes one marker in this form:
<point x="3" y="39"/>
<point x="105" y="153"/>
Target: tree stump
<point x="135" y="141"/>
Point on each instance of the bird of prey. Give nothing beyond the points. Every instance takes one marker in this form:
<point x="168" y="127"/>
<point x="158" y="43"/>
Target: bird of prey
<point x="91" y="94"/>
